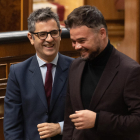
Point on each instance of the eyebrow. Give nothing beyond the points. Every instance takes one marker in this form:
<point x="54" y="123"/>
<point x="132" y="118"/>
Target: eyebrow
<point x="49" y="31"/>
<point x="81" y="38"/>
<point x="78" y="39"/>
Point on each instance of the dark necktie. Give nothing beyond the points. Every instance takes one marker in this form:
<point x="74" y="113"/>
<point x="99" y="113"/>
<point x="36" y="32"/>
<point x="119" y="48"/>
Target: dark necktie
<point x="48" y="82"/>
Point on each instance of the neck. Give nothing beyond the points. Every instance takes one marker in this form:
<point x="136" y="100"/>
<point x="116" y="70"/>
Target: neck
<point x="47" y="59"/>
<point x="104" y="43"/>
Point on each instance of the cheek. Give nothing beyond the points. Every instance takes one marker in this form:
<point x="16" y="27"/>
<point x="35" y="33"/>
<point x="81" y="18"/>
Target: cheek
<point x="94" y="45"/>
<point x="58" y="44"/>
<point x="39" y="42"/>
<point x="37" y="45"/>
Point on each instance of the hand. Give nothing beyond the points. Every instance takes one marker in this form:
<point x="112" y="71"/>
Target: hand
<point x="47" y="130"/>
<point x="83" y="119"/>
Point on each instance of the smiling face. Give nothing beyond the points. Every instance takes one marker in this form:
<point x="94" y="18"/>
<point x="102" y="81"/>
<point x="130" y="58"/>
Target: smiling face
<point x="87" y="41"/>
<point x="48" y="48"/>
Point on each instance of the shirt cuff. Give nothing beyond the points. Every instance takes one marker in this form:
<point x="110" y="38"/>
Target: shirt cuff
<point x="61" y="125"/>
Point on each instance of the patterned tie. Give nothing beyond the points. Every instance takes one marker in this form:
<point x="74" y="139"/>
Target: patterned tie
<point x="48" y="82"/>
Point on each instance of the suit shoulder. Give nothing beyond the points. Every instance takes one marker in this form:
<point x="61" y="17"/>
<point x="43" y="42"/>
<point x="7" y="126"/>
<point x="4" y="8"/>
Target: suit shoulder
<point x="123" y="63"/>
<point x="77" y="61"/>
<point x="22" y="64"/>
<point x="66" y="57"/>
<point x="65" y="60"/>
<point x="126" y="60"/>
<point x="77" y="65"/>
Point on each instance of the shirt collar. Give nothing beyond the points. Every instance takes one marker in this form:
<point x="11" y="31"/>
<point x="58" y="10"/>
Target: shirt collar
<point x="42" y="63"/>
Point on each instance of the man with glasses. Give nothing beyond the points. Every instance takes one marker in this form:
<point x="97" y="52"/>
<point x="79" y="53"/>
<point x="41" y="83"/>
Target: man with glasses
<point x="36" y="88"/>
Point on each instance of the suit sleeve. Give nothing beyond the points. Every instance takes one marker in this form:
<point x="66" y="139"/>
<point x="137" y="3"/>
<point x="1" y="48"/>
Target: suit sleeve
<point x="13" y="117"/>
<point x="68" y="125"/>
<point x="116" y="124"/>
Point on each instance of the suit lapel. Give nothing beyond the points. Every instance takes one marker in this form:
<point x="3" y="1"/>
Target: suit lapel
<point x="36" y="80"/>
<point x="107" y="77"/>
<point x="59" y="80"/>
<point x="76" y="86"/>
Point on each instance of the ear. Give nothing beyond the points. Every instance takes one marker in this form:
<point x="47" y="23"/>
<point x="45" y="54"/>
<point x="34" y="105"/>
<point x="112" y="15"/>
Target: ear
<point x="103" y="33"/>
<point x="30" y="37"/>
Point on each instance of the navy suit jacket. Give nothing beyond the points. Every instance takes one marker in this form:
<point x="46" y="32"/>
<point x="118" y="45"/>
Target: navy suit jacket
<point x="25" y="104"/>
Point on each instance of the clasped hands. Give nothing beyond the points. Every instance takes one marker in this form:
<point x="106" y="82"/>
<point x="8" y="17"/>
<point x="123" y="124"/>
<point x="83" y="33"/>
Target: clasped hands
<point x="83" y="119"/>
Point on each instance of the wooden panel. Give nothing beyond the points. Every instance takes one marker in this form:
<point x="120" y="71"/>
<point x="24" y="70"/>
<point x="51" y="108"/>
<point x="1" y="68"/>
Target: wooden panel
<point x="25" y="48"/>
<point x="1" y="129"/>
<point x="3" y="71"/>
<point x="119" y="4"/>
<point x="14" y="14"/>
<point x="9" y="15"/>
<point x="1" y="106"/>
<point x="26" y="9"/>
<point x="70" y="5"/>
<point x="3" y="81"/>
<point x="115" y="30"/>
<point x="108" y="9"/>
<point x="3" y="84"/>
<point x="16" y="49"/>
<point x="130" y="44"/>
<point x="2" y="91"/>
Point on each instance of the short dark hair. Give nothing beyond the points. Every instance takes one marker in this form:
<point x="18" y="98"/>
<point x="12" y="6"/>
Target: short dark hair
<point x="86" y="15"/>
<point x="43" y="14"/>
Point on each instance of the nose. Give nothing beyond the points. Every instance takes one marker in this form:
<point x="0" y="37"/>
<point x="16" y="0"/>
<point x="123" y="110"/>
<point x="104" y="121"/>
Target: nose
<point x="77" y="46"/>
<point x="49" y="38"/>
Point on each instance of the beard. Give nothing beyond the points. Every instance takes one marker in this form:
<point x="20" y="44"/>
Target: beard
<point x="92" y="55"/>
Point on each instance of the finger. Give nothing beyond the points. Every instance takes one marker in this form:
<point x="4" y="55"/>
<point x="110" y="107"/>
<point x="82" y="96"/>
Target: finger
<point x="40" y="130"/>
<point x="77" y="111"/>
<point x="80" y="111"/>
<point x="73" y="116"/>
<point x="79" y="128"/>
<point x="44" y="136"/>
<point x="78" y="124"/>
<point x="43" y="133"/>
<point x="76" y="120"/>
<point x="41" y="125"/>
<point x="43" y="128"/>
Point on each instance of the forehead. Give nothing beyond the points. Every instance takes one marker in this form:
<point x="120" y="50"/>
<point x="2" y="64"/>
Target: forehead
<point x="80" y="32"/>
<point x="47" y="26"/>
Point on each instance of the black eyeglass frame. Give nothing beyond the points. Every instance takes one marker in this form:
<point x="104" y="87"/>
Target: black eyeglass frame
<point x="47" y="34"/>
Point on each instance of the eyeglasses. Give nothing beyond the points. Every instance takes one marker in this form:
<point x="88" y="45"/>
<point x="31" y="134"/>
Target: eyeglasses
<point x="44" y="35"/>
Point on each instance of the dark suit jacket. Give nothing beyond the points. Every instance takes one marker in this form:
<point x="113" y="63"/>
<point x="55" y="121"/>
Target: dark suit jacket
<point x="25" y="103"/>
<point x="116" y="99"/>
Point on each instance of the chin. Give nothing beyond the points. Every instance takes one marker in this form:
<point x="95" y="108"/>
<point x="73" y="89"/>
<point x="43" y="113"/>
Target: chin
<point x="85" y="58"/>
<point x="50" y="53"/>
